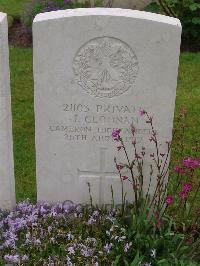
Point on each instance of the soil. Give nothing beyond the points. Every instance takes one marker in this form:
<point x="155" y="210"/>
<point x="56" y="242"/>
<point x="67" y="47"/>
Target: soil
<point x="18" y="36"/>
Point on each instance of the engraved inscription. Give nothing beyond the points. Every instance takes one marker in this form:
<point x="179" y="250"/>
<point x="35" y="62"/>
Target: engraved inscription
<point x="95" y="123"/>
<point x="105" y="67"/>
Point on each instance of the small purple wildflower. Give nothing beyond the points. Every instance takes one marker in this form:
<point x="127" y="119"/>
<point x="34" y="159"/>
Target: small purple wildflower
<point x="71" y="250"/>
<point x="12" y="258"/>
<point x="86" y="252"/>
<point x="127" y="247"/>
<point x="107" y="247"/>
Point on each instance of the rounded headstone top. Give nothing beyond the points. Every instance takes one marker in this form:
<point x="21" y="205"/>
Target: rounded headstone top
<point x="107" y="12"/>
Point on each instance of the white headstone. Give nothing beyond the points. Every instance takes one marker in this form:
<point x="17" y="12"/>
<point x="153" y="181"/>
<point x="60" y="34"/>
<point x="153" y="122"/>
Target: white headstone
<point x="7" y="184"/>
<point x="93" y="70"/>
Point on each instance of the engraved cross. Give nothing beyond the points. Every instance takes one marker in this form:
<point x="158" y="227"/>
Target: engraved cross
<point x="102" y="175"/>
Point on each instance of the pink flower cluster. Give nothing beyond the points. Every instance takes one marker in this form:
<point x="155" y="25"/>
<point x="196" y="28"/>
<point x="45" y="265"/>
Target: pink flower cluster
<point x="191" y="163"/>
<point x="179" y="170"/>
<point x="184" y="192"/>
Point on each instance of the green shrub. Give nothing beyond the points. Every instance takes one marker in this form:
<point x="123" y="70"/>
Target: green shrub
<point x="35" y="7"/>
<point x="188" y="11"/>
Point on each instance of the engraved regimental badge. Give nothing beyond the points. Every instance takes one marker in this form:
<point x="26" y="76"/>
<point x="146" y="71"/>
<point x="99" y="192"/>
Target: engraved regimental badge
<point x="105" y="67"/>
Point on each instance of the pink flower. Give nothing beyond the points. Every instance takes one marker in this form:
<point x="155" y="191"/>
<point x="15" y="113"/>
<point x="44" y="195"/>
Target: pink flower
<point x="120" y="167"/>
<point x="186" y="187"/>
<point x="142" y="111"/>
<point x="178" y="170"/>
<point x="169" y="200"/>
<point x="191" y="163"/>
<point x="116" y="134"/>
<point x="124" y="177"/>
<point x="183" y="194"/>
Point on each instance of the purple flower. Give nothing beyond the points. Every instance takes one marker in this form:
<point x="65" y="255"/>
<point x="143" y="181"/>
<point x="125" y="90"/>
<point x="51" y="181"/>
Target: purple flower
<point x="10" y="239"/>
<point x="12" y="258"/>
<point x="71" y="250"/>
<point x="91" y="221"/>
<point x="49" y="229"/>
<point x="116" y="134"/>
<point x="86" y="252"/>
<point x="127" y="246"/>
<point x="108" y="247"/>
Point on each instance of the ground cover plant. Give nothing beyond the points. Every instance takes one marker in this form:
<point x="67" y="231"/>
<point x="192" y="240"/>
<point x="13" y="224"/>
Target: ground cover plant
<point x="140" y="233"/>
<point x="67" y="234"/>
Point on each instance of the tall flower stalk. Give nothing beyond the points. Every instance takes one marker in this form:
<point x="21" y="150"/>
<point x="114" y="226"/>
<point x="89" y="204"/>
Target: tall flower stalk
<point x="159" y="201"/>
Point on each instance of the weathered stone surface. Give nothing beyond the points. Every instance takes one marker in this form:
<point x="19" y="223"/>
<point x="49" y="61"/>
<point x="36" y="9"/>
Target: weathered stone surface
<point x="93" y="70"/>
<point x="7" y="185"/>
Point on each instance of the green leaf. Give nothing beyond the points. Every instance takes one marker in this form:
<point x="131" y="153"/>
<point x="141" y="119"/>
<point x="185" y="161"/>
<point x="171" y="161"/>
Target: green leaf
<point x="126" y="263"/>
<point x="137" y="259"/>
<point x="194" y="6"/>
<point x="196" y="20"/>
<point x="115" y="263"/>
<point x="153" y="7"/>
<point x="162" y="262"/>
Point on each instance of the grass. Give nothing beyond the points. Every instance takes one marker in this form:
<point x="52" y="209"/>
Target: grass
<point x="188" y="95"/>
<point x="23" y="122"/>
<point x="14" y="8"/>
